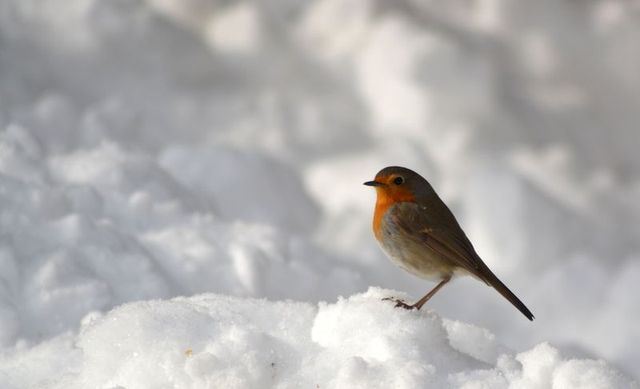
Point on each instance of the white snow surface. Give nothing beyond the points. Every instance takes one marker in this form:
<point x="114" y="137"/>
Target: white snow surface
<point x="220" y="341"/>
<point x="167" y="165"/>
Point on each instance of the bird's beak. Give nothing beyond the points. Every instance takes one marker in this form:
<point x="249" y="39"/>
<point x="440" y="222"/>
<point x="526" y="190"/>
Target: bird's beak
<point x="373" y="183"/>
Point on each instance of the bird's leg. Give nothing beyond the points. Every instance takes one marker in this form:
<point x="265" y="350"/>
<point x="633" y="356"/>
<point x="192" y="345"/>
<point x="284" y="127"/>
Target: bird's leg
<point x="422" y="301"/>
<point x="427" y="296"/>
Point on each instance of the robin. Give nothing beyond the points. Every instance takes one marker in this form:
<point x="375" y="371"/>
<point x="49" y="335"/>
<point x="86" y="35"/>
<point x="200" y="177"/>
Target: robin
<point x="419" y="233"/>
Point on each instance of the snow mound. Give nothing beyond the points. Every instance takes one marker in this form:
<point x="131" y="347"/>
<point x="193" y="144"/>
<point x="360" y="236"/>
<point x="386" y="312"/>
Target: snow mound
<point x="231" y="342"/>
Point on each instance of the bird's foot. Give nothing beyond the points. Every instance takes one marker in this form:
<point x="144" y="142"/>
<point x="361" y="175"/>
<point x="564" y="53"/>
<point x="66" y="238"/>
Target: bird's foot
<point x="399" y="303"/>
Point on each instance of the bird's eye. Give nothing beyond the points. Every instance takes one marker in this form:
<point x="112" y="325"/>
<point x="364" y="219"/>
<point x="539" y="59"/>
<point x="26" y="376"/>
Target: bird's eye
<point x="398" y="180"/>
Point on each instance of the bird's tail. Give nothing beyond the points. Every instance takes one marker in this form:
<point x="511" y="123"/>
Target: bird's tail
<point x="493" y="280"/>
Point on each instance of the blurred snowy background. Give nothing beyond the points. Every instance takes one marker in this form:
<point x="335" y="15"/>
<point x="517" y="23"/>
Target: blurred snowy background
<point x="151" y="149"/>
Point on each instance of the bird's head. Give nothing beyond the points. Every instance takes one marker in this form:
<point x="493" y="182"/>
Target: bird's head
<point x="399" y="184"/>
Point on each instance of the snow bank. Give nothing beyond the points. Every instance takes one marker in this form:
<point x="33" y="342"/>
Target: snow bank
<point x="230" y="342"/>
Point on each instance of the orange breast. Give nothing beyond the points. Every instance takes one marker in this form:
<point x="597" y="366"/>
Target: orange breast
<point x="386" y="197"/>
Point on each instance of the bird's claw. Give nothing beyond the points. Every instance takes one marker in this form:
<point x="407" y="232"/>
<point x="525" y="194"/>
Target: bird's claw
<point x="402" y="304"/>
<point x="399" y="303"/>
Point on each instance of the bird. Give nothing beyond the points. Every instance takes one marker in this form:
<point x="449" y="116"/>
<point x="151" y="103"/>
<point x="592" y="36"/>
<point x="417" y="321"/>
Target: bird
<point x="419" y="233"/>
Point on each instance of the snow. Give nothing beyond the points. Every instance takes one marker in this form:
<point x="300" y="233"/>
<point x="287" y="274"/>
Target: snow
<point x="166" y="165"/>
<point x="361" y="342"/>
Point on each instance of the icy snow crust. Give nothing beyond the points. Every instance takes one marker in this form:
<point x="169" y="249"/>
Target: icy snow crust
<point x="155" y="149"/>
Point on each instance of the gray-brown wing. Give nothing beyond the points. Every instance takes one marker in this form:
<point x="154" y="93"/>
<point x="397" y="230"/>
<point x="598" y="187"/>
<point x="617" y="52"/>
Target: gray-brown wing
<point x="440" y="232"/>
